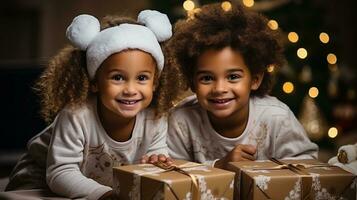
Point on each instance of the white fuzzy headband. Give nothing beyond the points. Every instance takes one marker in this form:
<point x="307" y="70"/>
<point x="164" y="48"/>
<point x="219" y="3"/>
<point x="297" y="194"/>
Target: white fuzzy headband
<point x="84" y="33"/>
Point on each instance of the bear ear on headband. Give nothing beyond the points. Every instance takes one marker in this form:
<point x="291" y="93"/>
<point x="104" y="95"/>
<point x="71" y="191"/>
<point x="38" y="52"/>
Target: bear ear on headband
<point x="82" y="30"/>
<point x="157" y="22"/>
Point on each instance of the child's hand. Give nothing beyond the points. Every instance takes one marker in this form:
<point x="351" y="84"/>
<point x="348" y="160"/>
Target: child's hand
<point x="155" y="158"/>
<point x="240" y="153"/>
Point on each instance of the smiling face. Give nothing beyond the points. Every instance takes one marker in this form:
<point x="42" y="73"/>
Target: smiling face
<point x="223" y="82"/>
<point x="125" y="84"/>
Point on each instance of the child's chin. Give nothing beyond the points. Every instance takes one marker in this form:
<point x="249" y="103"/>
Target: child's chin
<point x="221" y="114"/>
<point x="129" y="114"/>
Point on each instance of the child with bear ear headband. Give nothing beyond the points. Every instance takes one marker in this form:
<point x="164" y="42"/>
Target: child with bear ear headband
<point x="102" y="101"/>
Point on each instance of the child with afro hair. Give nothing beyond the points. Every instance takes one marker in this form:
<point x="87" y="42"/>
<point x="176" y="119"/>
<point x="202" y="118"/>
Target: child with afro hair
<point x="223" y="56"/>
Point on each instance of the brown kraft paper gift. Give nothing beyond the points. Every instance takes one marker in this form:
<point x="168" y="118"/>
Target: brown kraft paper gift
<point x="146" y="181"/>
<point x="292" y="179"/>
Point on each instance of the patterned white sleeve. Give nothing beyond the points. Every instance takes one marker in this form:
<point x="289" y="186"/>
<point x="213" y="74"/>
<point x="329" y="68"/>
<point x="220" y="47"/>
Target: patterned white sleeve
<point x="291" y="141"/>
<point x="210" y="163"/>
<point x="158" y="144"/>
<point x="64" y="157"/>
<point x="178" y="140"/>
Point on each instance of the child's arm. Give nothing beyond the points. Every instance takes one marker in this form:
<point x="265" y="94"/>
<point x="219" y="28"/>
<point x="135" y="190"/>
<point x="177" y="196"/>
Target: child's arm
<point x="178" y="139"/>
<point x="291" y="140"/>
<point x="158" y="130"/>
<point x="64" y="158"/>
<point x="239" y="153"/>
<point x="158" y="147"/>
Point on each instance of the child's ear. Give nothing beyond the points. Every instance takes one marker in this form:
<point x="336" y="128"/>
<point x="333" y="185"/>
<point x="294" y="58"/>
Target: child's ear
<point x="257" y="80"/>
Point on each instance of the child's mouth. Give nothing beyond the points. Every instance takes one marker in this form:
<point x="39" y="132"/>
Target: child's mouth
<point x="220" y="101"/>
<point x="128" y="102"/>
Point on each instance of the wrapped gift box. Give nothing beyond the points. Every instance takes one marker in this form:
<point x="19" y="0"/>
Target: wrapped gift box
<point x="146" y="181"/>
<point x="292" y="179"/>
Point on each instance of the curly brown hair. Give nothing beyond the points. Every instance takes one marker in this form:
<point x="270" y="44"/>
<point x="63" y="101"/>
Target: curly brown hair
<point x="65" y="81"/>
<point x="214" y="28"/>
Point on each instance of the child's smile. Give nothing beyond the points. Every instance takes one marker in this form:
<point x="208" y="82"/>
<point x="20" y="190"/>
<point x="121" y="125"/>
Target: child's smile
<point x="125" y="83"/>
<point x="128" y="104"/>
<point x="221" y="103"/>
<point x="223" y="83"/>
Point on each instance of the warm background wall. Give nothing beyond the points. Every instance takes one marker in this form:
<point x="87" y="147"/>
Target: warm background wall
<point x="33" y="31"/>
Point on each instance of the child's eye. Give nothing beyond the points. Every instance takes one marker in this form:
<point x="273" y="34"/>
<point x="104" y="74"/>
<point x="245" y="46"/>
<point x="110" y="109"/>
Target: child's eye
<point x="233" y="77"/>
<point x="142" y="78"/>
<point x="117" y="77"/>
<point x="205" y="79"/>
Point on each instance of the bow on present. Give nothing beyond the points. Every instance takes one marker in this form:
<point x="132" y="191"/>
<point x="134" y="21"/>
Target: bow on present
<point x="196" y="195"/>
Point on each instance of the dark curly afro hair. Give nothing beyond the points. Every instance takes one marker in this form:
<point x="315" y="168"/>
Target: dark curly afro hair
<point x="212" y="27"/>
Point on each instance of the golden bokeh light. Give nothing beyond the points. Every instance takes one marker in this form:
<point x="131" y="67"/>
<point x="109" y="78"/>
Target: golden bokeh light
<point x="331" y="58"/>
<point x="332" y="132"/>
<point x="226" y="6"/>
<point x="324" y="38"/>
<point x="273" y="25"/>
<point x="188" y="5"/>
<point x="293" y="37"/>
<point x="313" y="92"/>
<point x="302" y="53"/>
<point x="288" y="87"/>
<point x="248" y="3"/>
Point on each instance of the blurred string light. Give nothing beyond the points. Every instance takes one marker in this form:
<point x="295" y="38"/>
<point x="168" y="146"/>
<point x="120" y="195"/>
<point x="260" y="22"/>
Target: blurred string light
<point x="273" y="24"/>
<point x="288" y="87"/>
<point x="293" y="37"/>
<point x="331" y="58"/>
<point x="302" y="53"/>
<point x="313" y="92"/>
<point x="324" y="37"/>
<point x="226" y="6"/>
<point x="248" y="3"/>
<point x="332" y="132"/>
<point x="188" y="5"/>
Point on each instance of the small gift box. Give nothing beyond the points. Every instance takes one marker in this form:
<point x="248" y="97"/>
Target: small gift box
<point x="292" y="179"/>
<point x="183" y="180"/>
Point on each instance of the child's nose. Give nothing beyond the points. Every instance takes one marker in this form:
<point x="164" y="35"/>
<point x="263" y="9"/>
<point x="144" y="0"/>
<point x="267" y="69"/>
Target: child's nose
<point x="130" y="88"/>
<point x="220" y="86"/>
